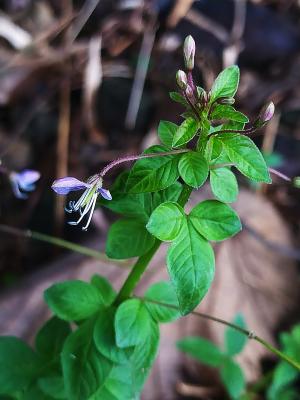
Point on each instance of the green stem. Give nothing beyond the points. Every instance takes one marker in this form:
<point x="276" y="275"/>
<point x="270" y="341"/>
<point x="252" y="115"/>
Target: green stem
<point x="56" y="242"/>
<point x="250" y="334"/>
<point x="141" y="264"/>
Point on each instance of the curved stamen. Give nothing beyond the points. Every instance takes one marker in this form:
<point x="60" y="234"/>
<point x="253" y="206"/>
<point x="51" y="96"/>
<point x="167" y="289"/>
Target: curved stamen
<point x="94" y="198"/>
<point x="85" y="211"/>
<point x="71" y="207"/>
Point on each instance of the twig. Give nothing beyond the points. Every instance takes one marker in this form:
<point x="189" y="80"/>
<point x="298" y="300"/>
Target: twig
<point x="250" y="334"/>
<point x="86" y="11"/>
<point x="58" y="242"/>
<point x="140" y="76"/>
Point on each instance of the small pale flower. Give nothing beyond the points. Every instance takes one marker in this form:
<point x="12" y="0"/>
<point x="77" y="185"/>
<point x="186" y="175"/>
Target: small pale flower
<point x="268" y="112"/>
<point x="23" y="181"/>
<point x="86" y="203"/>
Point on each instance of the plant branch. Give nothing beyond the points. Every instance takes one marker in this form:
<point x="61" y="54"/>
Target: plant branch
<point x="142" y="263"/>
<point x="138" y="157"/>
<point x="56" y="242"/>
<point x="250" y="334"/>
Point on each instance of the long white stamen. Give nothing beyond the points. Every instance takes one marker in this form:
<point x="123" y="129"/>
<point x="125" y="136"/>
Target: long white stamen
<point x="85" y="211"/>
<point x="91" y="212"/>
<point x="81" y="199"/>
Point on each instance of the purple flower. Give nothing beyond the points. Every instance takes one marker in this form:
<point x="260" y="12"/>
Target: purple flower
<point x="23" y="181"/>
<point x="86" y="203"/>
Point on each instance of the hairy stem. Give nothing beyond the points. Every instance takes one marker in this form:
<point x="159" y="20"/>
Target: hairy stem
<point x="250" y="334"/>
<point x="138" y="157"/>
<point x="141" y="264"/>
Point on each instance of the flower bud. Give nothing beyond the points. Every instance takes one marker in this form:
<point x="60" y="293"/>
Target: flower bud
<point x="189" y="92"/>
<point x="267" y="113"/>
<point x="227" y="100"/>
<point x="181" y="79"/>
<point x="189" y="52"/>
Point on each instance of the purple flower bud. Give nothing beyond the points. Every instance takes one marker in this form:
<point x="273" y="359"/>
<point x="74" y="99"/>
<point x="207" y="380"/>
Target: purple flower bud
<point x="267" y="112"/>
<point x="68" y="184"/>
<point x="181" y="79"/>
<point x="189" y="92"/>
<point x="189" y="49"/>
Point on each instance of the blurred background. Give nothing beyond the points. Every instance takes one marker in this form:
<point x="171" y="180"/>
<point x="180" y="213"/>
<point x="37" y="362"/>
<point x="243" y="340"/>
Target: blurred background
<point x="84" y="82"/>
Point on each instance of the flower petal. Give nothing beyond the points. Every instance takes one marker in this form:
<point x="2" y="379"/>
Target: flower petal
<point x="68" y="184"/>
<point x="26" y="178"/>
<point x="105" y="193"/>
<point x="16" y="190"/>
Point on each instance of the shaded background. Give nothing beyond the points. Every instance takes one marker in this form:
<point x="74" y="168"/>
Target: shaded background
<point x="84" y="82"/>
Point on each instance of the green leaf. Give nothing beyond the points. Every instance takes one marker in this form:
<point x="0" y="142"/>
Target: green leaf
<point x="234" y="340"/>
<point x="247" y="158"/>
<point x="172" y="193"/>
<point x="193" y="169"/>
<point x="132" y="323"/>
<point x="105" y="289"/>
<point x="190" y="262"/>
<point x="50" y="338"/>
<point x="222" y="111"/>
<point x="233" y="378"/>
<point x="128" y="238"/>
<point x="18" y="365"/>
<point x="166" y="132"/>
<point x="185" y="132"/>
<point x="213" y="149"/>
<point x="152" y="174"/>
<point x="175" y="96"/>
<point x="162" y="292"/>
<point x="84" y="367"/>
<point x="202" y="350"/>
<point x="226" y="83"/>
<point x="166" y="221"/>
<point x="215" y="220"/>
<point x="73" y="300"/>
<point x="284" y="375"/>
<point x="104" y="337"/>
<point x="224" y="184"/>
<point x="130" y="205"/>
<point x="53" y="386"/>
<point x="35" y="393"/>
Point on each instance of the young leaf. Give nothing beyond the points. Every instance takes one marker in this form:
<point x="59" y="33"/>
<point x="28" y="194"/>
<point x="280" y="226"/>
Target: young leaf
<point x="84" y="368"/>
<point x="284" y="375"/>
<point x="226" y="83"/>
<point x="175" y="96"/>
<point x="73" y="300"/>
<point x="213" y="149"/>
<point x="233" y="378"/>
<point x="162" y="292"/>
<point x="244" y="154"/>
<point x="53" y="386"/>
<point x="215" y="220"/>
<point x="132" y="323"/>
<point x="185" y="132"/>
<point x="224" y="184"/>
<point x="166" y="221"/>
<point x="152" y="174"/>
<point x="50" y="338"/>
<point x="193" y="169"/>
<point x="18" y="365"/>
<point x="234" y="340"/>
<point x="104" y="337"/>
<point x="222" y="111"/>
<point x="190" y="262"/>
<point x="105" y="289"/>
<point x="202" y="350"/>
<point x="128" y="238"/>
<point x="166" y="132"/>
